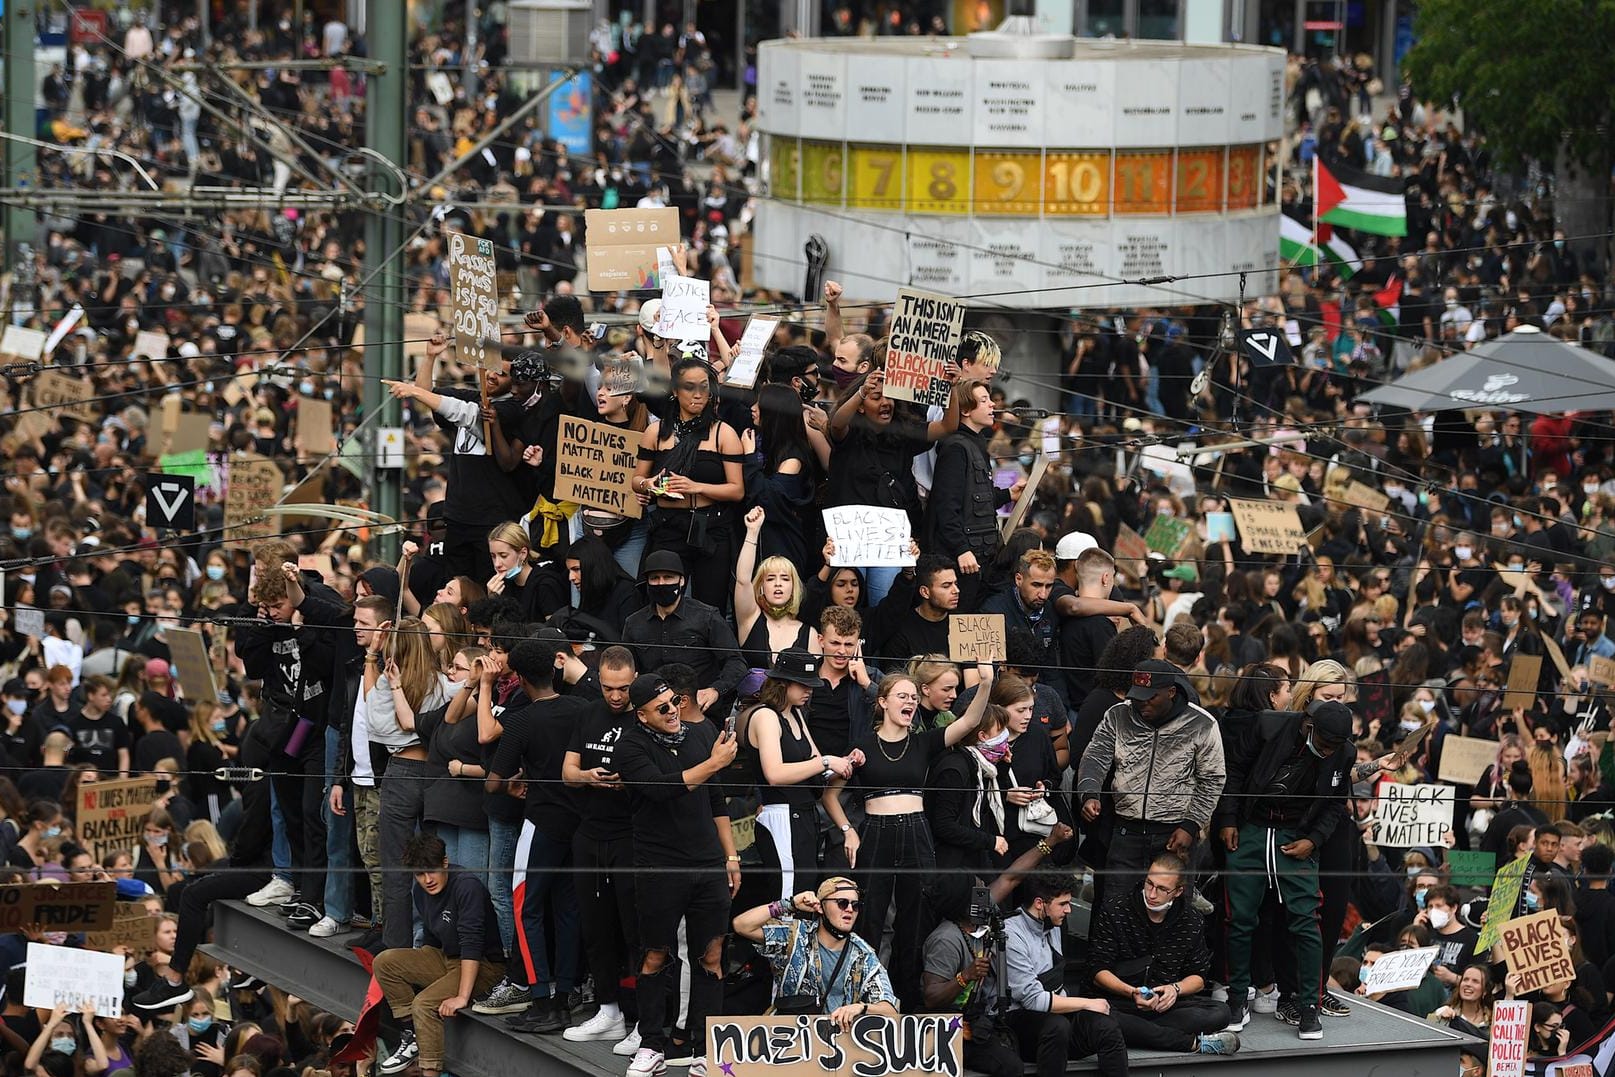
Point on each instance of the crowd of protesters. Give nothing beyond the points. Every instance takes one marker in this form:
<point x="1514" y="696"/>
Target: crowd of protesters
<point x="576" y="768"/>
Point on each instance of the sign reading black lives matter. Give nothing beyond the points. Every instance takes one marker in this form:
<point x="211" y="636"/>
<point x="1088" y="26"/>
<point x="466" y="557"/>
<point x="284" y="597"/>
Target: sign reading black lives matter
<point x="926" y="329"/>
<point x="475" y="296"/>
<point x="594" y="466"/>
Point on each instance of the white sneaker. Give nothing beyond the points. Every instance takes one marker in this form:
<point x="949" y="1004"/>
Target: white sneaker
<point x="629" y="1044"/>
<point x="698" y="1066"/>
<point x="324" y="928"/>
<point x="647" y="1062"/>
<point x="599" y="1027"/>
<point x="275" y="893"/>
<point x="1219" y="992"/>
<point x="1266" y="1001"/>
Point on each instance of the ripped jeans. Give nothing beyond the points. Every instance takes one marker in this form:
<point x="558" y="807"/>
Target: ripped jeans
<point x="701" y="898"/>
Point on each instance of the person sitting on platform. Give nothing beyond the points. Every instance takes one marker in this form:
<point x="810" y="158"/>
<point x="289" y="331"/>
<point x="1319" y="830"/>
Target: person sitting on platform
<point x="462" y="956"/>
<point x="1148" y="953"/>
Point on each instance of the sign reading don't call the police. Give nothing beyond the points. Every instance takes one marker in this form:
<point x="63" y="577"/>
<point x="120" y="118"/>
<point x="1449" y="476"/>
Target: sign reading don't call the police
<point x="812" y="1046"/>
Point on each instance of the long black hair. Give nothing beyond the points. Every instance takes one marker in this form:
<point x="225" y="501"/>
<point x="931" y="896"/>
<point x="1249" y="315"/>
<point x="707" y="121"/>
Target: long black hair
<point x="598" y="571"/>
<point x="781" y="432"/>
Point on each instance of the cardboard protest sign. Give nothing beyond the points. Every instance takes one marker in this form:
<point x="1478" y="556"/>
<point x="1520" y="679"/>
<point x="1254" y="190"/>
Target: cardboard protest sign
<point x="594" y="465"/>
<point x="67" y="977"/>
<point x="913" y="1045"/>
<point x="110" y="813"/>
<point x="867" y="536"/>
<point x="1465" y="759"/>
<point x="191" y="433"/>
<point x="1167" y="535"/>
<point x="1410" y="743"/>
<point x="1557" y="655"/>
<point x="1601" y="670"/>
<point x="1033" y="479"/>
<point x="150" y="344"/>
<point x="1506" y="885"/>
<point x="28" y="621"/>
<point x="621" y="247"/>
<point x="1511" y="1026"/>
<point x="474" y="292"/>
<point x="418" y="330"/>
<point x="1535" y="948"/>
<point x="311" y="491"/>
<point x="623" y="375"/>
<point x="1400" y="971"/>
<point x="1408" y="815"/>
<point x="1268" y="526"/>
<point x="1524" y="670"/>
<point x="1365" y="496"/>
<point x="976" y="637"/>
<point x="19" y="344"/>
<point x="64" y="907"/>
<point x="192" y="668"/>
<point x="924" y="337"/>
<point x="1130" y="545"/>
<point x="683" y="314"/>
<point x="253" y="485"/>
<point x="315" y="427"/>
<point x="1471" y="867"/>
<point x="749" y="354"/>
<point x="71" y="396"/>
<point x="132" y="928"/>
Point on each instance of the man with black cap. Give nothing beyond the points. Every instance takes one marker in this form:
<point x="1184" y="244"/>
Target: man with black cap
<point x="669" y="768"/>
<point x="1165" y="754"/>
<point x="676" y="627"/>
<point x="809" y="942"/>
<point x="1288" y="776"/>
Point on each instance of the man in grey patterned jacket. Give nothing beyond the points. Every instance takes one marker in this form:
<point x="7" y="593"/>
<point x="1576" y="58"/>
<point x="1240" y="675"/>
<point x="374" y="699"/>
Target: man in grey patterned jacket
<point x="1165" y="755"/>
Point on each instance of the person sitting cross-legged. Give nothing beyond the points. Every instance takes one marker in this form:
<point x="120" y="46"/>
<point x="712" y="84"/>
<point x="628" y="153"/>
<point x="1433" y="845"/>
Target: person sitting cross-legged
<point x="1149" y="957"/>
<point x="462" y="956"/>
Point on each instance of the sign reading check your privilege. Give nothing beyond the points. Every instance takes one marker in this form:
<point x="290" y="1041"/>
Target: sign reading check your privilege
<point x="925" y="334"/>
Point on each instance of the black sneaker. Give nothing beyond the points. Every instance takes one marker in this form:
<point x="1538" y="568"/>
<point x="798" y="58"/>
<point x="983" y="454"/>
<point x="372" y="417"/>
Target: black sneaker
<point x="1311" y="1027"/>
<point x="289" y="906"/>
<point x="1332" y="1006"/>
<point x="547" y="1017"/>
<point x="245" y="981"/>
<point x="1239" y="1015"/>
<point x="404" y="1056"/>
<point x="304" y="916"/>
<point x="162" y="996"/>
<point x="1288" y="1011"/>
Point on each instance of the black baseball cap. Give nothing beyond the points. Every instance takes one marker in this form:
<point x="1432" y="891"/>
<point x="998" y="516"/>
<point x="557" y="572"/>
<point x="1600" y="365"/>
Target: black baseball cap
<point x="646" y="687"/>
<point x="1152" y="676"/>
<point x="1331" y="718"/>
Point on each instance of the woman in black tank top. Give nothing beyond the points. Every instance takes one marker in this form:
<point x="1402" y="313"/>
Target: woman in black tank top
<point x="767" y="597"/>
<point x="791" y="770"/>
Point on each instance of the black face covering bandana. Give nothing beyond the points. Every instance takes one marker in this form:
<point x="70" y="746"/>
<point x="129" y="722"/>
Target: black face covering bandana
<point x="663" y="594"/>
<point x="807" y="391"/>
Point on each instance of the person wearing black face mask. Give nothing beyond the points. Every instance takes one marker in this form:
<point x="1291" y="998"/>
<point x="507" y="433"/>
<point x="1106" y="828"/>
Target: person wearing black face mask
<point x="675" y="627"/>
<point x="1288" y="775"/>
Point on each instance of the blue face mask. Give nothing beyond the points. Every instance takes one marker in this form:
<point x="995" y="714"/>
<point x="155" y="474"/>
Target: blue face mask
<point x="17" y="706"/>
<point x="1532" y="901"/>
<point x="1026" y="459"/>
<point x="220" y="726"/>
<point x="65" y="1044"/>
<point x="53" y="832"/>
<point x="133" y="619"/>
<point x="215" y="572"/>
<point x="513" y="573"/>
<point x="1418" y="897"/>
<point x="22" y="534"/>
<point x="199" y="1024"/>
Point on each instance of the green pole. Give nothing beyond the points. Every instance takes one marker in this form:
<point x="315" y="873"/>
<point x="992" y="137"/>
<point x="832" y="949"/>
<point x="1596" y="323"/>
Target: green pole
<point x="385" y="112"/>
<point x="21" y="159"/>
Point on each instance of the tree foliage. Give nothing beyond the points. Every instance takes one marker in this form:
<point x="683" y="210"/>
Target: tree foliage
<point x="1533" y="75"/>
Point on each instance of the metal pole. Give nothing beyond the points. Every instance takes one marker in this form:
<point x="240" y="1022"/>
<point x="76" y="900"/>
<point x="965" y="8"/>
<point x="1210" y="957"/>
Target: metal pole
<point x="470" y="77"/>
<point x="22" y="160"/>
<point x="384" y="314"/>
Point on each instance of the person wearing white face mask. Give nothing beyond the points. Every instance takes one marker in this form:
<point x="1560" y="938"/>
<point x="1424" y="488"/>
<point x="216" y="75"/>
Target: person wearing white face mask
<point x="1456" y="939"/>
<point x="1149" y="956"/>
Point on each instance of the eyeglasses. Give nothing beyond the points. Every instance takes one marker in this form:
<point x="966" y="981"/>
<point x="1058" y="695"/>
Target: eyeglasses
<point x="846" y="904"/>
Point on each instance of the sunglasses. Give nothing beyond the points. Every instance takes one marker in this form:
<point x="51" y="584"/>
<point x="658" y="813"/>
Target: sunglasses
<point x="671" y="706"/>
<point x="694" y="387"/>
<point x="846" y="904"/>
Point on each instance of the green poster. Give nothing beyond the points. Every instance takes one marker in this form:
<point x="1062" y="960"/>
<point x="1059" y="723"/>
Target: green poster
<point x="1167" y="534"/>
<point x="1500" y="909"/>
<point x="1471" y="867"/>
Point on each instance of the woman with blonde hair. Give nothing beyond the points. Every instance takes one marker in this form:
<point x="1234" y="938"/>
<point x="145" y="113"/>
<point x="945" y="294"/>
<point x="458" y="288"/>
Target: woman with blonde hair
<point x="209" y="750"/>
<point x="1550" y="793"/>
<point x="514" y="575"/>
<point x="938" y="682"/>
<point x="447" y="629"/>
<point x="401" y="682"/>
<point x="767" y="598"/>
<point x="1327" y="679"/>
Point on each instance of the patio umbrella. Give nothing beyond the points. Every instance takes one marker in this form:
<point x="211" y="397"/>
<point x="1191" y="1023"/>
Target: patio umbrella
<point x="1526" y="370"/>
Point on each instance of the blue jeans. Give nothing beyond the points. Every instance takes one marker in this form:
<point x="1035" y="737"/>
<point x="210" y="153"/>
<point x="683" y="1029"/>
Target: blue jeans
<point x="542" y="886"/>
<point x="878" y="581"/>
<point x="339" y="859"/>
<point x="501" y="858"/>
<point x="466" y="847"/>
<point x="280" y="847"/>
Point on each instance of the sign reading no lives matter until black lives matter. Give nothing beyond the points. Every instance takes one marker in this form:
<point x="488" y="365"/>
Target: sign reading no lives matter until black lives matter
<point x="926" y="329"/>
<point x="594" y="465"/>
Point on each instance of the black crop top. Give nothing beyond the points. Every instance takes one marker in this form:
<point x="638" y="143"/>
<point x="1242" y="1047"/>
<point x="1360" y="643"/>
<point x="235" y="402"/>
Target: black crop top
<point x="896" y="769"/>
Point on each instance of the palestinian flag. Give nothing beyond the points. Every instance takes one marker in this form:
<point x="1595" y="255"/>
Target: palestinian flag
<point x="1389" y="301"/>
<point x="1299" y="247"/>
<point x="1342" y="195"/>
